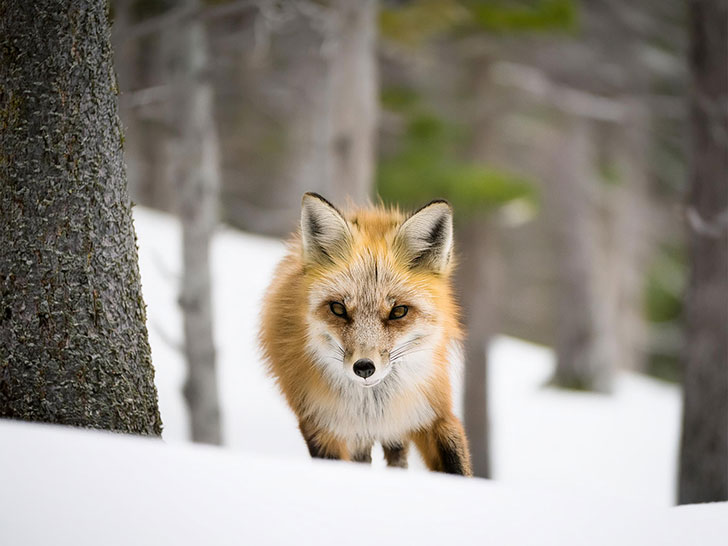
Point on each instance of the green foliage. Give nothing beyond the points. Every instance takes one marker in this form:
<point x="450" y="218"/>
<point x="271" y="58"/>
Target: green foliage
<point x="665" y="366"/>
<point x="665" y="286"/>
<point x="609" y="173"/>
<point x="399" y="99"/>
<point x="523" y="15"/>
<point x="416" y="22"/>
<point x="413" y="23"/>
<point x="426" y="166"/>
<point x="663" y="302"/>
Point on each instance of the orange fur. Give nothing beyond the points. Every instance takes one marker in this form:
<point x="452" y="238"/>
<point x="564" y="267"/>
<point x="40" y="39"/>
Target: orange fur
<point x="293" y="320"/>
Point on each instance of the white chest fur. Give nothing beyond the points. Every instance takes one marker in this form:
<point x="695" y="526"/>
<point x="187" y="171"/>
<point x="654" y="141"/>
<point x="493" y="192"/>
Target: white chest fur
<point x="386" y="413"/>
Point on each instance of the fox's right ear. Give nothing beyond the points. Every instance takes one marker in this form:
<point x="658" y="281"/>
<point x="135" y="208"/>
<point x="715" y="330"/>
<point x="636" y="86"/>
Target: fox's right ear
<point x="324" y="231"/>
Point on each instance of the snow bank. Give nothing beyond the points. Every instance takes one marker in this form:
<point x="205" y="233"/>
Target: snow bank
<point x="72" y="487"/>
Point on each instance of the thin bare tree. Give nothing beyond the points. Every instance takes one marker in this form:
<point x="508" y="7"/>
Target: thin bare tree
<point x="196" y="167"/>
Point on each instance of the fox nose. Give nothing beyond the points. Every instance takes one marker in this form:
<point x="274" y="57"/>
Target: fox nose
<point x="364" y="367"/>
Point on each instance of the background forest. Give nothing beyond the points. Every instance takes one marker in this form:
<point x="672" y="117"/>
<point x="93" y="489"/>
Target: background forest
<point x="555" y="127"/>
<point x="583" y="145"/>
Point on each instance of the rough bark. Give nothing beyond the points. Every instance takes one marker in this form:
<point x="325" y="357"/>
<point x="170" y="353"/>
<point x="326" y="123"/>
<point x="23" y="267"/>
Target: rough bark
<point x="197" y="163"/>
<point x="584" y="360"/>
<point x="704" y="445"/>
<point x="73" y="340"/>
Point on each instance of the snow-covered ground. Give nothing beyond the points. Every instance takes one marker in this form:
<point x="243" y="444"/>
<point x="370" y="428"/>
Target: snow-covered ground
<point x="622" y="446"/>
<point x="79" y="488"/>
<point x="570" y="468"/>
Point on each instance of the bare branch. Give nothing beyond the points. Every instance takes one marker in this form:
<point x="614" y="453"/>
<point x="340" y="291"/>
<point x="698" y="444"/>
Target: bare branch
<point x="708" y="228"/>
<point x="568" y="99"/>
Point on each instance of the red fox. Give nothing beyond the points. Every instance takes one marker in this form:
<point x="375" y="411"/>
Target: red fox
<point x="358" y="326"/>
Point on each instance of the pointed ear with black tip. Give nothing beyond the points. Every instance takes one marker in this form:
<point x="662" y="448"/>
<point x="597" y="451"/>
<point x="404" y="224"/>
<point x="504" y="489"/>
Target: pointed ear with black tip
<point x="425" y="239"/>
<point x="324" y="231"/>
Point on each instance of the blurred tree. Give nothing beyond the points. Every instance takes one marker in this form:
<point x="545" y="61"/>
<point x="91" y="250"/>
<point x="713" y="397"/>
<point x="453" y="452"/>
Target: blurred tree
<point x="296" y="106"/>
<point x="704" y="445"/>
<point x="582" y="350"/>
<point x="612" y="78"/>
<point x="355" y="104"/>
<point x="196" y="166"/>
<point x="142" y="54"/>
<point x="73" y="339"/>
<point x="624" y="72"/>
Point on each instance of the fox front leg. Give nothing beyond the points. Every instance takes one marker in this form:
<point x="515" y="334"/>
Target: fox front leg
<point x="321" y="444"/>
<point x="396" y="454"/>
<point x="444" y="447"/>
<point x="362" y="454"/>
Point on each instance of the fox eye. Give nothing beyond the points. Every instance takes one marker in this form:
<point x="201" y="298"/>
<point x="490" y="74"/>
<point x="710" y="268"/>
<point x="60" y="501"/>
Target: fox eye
<point x="398" y="312"/>
<point x="338" y="309"/>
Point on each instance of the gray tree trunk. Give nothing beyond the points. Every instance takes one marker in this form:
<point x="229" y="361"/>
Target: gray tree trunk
<point x="704" y="445"/>
<point x="479" y="272"/>
<point x="197" y="166"/>
<point x="73" y="340"/>
<point x="354" y="99"/>
<point x="626" y="238"/>
<point x="584" y="358"/>
<point x="334" y="128"/>
<point x="477" y="281"/>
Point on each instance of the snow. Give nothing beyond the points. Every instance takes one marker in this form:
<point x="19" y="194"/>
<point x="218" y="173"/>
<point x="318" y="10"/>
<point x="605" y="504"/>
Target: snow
<point x="73" y="487"/>
<point x="624" y="445"/>
<point x="570" y="468"/>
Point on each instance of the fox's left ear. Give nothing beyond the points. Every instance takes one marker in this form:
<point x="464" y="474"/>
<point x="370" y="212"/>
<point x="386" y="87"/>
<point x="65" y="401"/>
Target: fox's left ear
<point x="324" y="232"/>
<point x="426" y="237"/>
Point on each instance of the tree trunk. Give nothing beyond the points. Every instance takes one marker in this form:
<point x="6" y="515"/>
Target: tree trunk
<point x="704" y="445"/>
<point x="354" y="100"/>
<point x="334" y="128"/>
<point x="626" y="238"/>
<point x="477" y="281"/>
<point x="197" y="163"/>
<point x="582" y="350"/>
<point x="73" y="339"/>
<point x="478" y="276"/>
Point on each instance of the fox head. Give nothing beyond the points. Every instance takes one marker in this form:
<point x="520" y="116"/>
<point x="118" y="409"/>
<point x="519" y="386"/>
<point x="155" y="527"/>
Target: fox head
<point x="378" y="291"/>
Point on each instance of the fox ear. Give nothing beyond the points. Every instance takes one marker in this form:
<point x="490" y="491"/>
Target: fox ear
<point x="425" y="238"/>
<point x="324" y="232"/>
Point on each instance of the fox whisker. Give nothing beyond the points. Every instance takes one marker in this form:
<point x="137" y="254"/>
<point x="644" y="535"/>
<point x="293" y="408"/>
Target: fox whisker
<point x="401" y="349"/>
<point x="339" y="349"/>
<point x="405" y="353"/>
